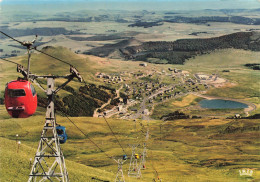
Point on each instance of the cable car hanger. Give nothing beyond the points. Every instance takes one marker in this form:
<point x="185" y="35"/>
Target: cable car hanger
<point x="26" y="73"/>
<point x="29" y="46"/>
<point x="22" y="90"/>
<point x="20" y="69"/>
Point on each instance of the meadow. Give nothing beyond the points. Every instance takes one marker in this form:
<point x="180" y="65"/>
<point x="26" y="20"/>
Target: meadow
<point x="180" y="150"/>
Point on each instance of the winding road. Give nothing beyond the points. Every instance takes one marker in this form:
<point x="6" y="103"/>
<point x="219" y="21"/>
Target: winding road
<point x="96" y="114"/>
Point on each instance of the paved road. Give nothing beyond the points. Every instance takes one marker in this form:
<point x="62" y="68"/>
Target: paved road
<point x="143" y="105"/>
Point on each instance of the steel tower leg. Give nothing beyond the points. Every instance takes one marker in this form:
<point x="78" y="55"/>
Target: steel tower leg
<point x="143" y="158"/>
<point x="49" y="163"/>
<point x="134" y="167"/>
<point x="120" y="176"/>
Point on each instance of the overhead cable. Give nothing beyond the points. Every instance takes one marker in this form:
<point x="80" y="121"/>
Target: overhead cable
<point x="9" y="61"/>
<point x="114" y="135"/>
<point x="110" y="157"/>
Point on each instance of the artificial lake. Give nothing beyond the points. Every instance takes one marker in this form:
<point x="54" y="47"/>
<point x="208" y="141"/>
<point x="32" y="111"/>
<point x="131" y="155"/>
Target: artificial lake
<point x="221" y="104"/>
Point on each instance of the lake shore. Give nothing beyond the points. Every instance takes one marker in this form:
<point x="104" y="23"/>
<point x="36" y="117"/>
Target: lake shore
<point x="251" y="107"/>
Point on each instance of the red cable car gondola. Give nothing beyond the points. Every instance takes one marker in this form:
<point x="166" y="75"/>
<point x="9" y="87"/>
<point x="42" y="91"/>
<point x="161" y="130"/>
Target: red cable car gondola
<point x="20" y="98"/>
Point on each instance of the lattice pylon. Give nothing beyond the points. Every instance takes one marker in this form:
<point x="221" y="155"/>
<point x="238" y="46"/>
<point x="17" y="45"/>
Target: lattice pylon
<point x="134" y="167"/>
<point x="49" y="163"/>
<point x="143" y="158"/>
<point x="120" y="175"/>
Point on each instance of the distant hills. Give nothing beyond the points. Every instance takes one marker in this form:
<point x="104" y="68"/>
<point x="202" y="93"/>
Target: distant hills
<point x="207" y="19"/>
<point x="141" y="21"/>
<point x="173" y="18"/>
<point x="108" y="49"/>
<point x="146" y="18"/>
<point x="43" y="31"/>
<point x="178" y="51"/>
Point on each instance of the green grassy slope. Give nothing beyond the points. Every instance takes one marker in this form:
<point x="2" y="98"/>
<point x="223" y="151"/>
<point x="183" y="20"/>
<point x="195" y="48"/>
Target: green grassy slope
<point x="184" y="150"/>
<point x="15" y="165"/>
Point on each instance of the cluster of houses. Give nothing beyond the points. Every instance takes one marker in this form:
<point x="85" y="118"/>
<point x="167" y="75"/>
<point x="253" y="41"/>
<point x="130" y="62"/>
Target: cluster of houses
<point x="202" y="78"/>
<point x="110" y="79"/>
<point x="147" y="87"/>
<point x="153" y="89"/>
<point x="207" y="80"/>
<point x="166" y="94"/>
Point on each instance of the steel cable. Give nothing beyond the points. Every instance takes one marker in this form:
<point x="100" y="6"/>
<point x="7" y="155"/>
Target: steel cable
<point x="110" y="157"/>
<point x="9" y="61"/>
<point x="114" y="135"/>
<point x="11" y="37"/>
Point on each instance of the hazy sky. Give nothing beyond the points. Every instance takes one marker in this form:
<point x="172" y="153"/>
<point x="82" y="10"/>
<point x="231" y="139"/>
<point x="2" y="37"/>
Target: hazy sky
<point x="121" y="0"/>
<point x="37" y="1"/>
<point x="141" y="4"/>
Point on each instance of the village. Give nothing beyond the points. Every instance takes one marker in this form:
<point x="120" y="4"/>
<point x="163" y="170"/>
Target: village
<point x="138" y="92"/>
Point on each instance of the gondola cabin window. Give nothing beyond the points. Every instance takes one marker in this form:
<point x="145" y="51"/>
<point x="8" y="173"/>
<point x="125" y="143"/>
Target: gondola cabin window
<point x="16" y="92"/>
<point x="33" y="90"/>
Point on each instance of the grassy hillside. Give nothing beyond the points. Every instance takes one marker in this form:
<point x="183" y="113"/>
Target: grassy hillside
<point x="15" y="165"/>
<point x="183" y="150"/>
